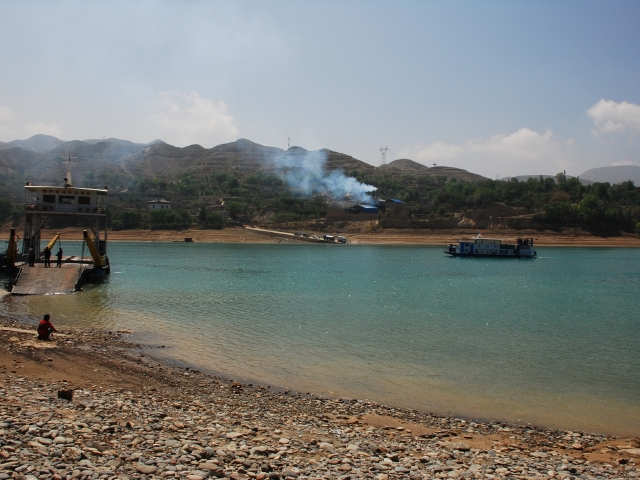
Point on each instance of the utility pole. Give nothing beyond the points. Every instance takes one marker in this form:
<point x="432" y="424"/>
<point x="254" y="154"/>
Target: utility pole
<point x="383" y="150"/>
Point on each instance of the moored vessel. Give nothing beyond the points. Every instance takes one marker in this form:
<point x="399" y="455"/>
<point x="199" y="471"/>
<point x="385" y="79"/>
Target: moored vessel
<point x="24" y="264"/>
<point x="492" y="247"/>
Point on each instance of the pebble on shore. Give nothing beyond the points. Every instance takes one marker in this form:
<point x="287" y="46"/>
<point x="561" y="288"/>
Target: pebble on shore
<point x="203" y="426"/>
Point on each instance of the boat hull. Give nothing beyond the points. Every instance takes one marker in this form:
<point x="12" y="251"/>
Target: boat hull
<point x="487" y="255"/>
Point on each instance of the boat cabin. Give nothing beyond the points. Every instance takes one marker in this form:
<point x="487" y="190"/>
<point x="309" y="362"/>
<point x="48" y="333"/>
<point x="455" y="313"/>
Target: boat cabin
<point x="66" y="200"/>
<point x="493" y="247"/>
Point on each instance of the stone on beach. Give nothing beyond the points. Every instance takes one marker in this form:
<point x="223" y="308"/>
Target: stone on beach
<point x="146" y="469"/>
<point x="164" y="425"/>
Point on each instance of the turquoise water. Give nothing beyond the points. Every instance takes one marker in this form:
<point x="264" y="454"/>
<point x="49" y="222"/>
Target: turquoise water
<point x="551" y="341"/>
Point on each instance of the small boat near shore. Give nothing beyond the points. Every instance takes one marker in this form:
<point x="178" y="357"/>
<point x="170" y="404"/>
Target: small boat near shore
<point x="492" y="247"/>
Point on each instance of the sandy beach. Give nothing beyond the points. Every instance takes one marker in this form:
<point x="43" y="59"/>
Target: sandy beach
<point x="568" y="238"/>
<point x="132" y="416"/>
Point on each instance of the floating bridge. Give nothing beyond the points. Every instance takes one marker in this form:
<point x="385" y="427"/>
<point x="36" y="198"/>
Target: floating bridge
<point x="38" y="280"/>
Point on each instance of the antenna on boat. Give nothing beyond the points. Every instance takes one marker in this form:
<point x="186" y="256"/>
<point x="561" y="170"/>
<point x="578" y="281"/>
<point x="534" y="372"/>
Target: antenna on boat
<point x="67" y="181"/>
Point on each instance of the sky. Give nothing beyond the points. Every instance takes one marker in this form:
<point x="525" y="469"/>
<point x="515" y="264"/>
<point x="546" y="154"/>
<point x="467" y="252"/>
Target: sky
<point x="498" y="88"/>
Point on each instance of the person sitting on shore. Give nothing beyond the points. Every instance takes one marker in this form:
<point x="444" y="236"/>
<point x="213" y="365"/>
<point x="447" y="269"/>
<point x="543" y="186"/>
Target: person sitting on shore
<point x="45" y="328"/>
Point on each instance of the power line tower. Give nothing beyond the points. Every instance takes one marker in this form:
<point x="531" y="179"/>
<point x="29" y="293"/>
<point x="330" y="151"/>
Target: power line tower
<point x="383" y="150"/>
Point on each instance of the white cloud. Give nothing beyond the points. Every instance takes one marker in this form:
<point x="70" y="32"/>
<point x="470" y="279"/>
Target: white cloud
<point x="524" y="150"/>
<point x="31" y="129"/>
<point x="609" y="117"/>
<point x="13" y="128"/>
<point x="189" y="118"/>
<point x="6" y="115"/>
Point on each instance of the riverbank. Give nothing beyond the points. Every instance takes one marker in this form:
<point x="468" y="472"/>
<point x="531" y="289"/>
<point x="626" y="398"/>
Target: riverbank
<point x="132" y="416"/>
<point x="567" y="238"/>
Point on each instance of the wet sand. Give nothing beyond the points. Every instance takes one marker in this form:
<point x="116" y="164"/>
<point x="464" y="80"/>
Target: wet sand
<point x="133" y="416"/>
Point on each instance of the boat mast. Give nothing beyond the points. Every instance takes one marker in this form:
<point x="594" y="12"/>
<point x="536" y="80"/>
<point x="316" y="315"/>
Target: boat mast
<point x="67" y="181"/>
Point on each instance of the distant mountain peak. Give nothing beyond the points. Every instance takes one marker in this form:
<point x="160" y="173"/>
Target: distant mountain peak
<point x="301" y="150"/>
<point x="613" y="174"/>
<point x="38" y="143"/>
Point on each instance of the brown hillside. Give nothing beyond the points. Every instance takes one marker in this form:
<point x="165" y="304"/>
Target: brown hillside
<point x="404" y="166"/>
<point x="347" y="163"/>
<point x="161" y="160"/>
<point x="16" y="160"/>
<point x="457" y="173"/>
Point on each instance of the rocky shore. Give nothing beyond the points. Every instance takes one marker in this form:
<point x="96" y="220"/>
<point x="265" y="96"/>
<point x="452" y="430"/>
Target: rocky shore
<point x="91" y="405"/>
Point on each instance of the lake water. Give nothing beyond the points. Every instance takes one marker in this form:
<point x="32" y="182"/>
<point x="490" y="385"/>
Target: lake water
<point x="552" y="341"/>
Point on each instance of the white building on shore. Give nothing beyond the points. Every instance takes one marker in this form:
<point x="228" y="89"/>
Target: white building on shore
<point x="159" y="203"/>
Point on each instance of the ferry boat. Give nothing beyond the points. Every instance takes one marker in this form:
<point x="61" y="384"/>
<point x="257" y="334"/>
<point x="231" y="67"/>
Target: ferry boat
<point x="492" y="247"/>
<point x="44" y="202"/>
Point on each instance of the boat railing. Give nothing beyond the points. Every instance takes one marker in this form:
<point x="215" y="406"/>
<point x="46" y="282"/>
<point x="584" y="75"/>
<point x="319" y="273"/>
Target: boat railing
<point x="65" y="208"/>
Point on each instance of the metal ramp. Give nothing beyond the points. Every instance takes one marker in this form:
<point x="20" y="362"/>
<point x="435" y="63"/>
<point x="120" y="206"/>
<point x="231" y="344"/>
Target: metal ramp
<point x="48" y="281"/>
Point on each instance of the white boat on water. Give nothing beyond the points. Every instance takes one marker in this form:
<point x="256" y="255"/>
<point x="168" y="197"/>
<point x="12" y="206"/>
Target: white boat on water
<point x="492" y="247"/>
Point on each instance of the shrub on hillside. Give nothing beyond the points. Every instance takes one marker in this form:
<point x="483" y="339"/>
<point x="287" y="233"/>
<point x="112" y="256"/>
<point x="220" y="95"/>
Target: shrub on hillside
<point x="170" y="220"/>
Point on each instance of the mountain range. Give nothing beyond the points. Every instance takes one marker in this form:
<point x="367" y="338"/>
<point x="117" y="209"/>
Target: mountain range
<point x="617" y="174"/>
<point x="39" y="159"/>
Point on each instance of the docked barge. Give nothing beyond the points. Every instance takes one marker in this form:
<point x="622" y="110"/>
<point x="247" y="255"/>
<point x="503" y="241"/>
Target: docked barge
<point x="492" y="247"/>
<point x="26" y="258"/>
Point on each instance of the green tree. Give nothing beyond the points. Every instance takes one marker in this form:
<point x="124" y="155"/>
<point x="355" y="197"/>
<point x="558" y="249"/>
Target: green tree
<point x="235" y="208"/>
<point x="202" y="215"/>
<point x="170" y="220"/>
<point x="131" y="219"/>
<point x="16" y="216"/>
<point x="560" y="213"/>
<point x="5" y="210"/>
<point x="116" y="225"/>
<point x="591" y="210"/>
<point x="215" y="220"/>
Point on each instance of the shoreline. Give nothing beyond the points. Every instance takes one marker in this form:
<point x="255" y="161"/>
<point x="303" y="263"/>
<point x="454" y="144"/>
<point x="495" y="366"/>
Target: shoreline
<point x="386" y="237"/>
<point x="228" y="429"/>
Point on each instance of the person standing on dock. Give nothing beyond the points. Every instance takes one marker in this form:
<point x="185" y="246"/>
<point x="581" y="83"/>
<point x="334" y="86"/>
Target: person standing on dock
<point x="47" y="257"/>
<point x="45" y="328"/>
<point x="59" y="257"/>
<point x="32" y="257"/>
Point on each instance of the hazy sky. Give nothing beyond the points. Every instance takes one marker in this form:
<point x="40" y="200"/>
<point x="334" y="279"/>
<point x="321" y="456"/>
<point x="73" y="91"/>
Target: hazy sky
<point x="502" y="88"/>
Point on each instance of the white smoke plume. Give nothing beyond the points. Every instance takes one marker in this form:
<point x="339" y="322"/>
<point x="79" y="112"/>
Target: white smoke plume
<point x="305" y="171"/>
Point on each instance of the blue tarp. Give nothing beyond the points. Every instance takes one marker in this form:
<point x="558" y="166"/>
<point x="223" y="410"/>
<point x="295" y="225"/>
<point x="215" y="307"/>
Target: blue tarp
<point x="369" y="209"/>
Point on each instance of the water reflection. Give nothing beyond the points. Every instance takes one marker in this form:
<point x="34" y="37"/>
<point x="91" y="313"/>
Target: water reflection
<point x="549" y="341"/>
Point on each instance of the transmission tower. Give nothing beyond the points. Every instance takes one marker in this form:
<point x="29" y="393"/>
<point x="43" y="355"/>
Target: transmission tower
<point x="383" y="150"/>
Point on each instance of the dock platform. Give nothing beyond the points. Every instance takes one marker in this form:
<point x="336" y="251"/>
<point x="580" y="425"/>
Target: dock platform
<point x="38" y="280"/>
<point x="287" y="235"/>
